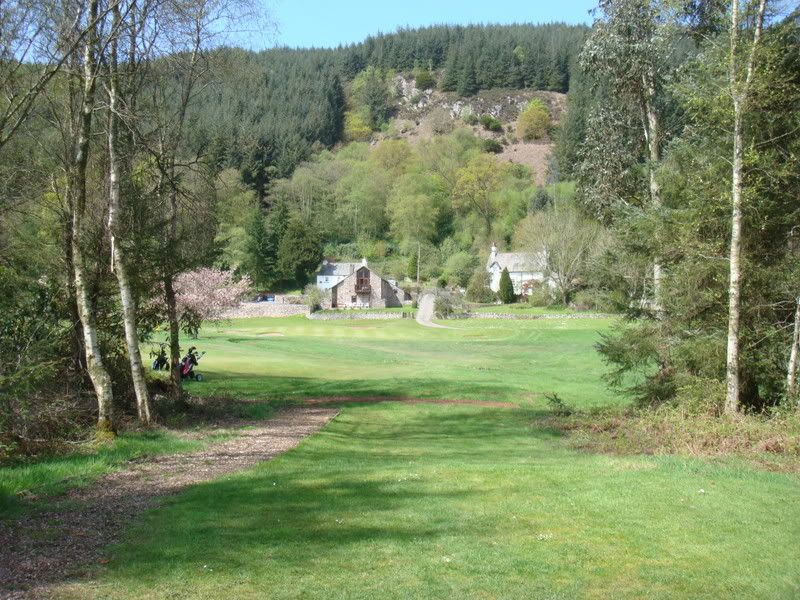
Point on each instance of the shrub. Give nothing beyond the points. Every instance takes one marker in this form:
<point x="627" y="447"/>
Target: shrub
<point x="478" y="289"/>
<point x="492" y="145"/>
<point x="424" y="79"/>
<point x="490" y="123"/>
<point x="470" y="118"/>
<point x="441" y="121"/>
<point x="534" y="122"/>
<point x="314" y="297"/>
<point x="459" y="267"/>
<point x="506" y="291"/>
<point x="448" y="304"/>
<point x="541" y="296"/>
<point x="412" y="269"/>
<point x="584" y="300"/>
<point x="356" y="128"/>
<point x="700" y="396"/>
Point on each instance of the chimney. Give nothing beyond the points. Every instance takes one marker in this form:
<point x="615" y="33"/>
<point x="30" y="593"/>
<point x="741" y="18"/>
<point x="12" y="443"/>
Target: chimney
<point x="363" y="262"/>
<point x="494" y="251"/>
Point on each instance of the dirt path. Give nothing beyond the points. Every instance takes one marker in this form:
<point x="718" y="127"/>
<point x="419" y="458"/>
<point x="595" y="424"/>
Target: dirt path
<point x="50" y="547"/>
<point x="425" y="310"/>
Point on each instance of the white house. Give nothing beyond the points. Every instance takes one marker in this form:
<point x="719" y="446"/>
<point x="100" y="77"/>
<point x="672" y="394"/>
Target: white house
<point x="331" y="273"/>
<point x="525" y="269"/>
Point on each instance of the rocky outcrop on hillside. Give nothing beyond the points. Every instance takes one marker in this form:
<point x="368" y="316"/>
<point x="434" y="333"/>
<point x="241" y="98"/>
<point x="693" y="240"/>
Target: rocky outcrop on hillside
<point x="504" y="105"/>
<point x="422" y="114"/>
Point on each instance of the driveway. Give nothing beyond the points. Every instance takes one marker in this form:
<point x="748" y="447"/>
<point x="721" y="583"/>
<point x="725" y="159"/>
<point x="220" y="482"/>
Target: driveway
<point x="425" y="311"/>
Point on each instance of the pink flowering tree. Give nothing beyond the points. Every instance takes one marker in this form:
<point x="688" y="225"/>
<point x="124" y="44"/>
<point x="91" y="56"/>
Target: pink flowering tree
<point x="205" y="294"/>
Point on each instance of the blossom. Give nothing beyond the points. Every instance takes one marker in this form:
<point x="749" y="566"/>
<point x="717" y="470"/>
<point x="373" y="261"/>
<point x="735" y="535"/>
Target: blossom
<point x="205" y="293"/>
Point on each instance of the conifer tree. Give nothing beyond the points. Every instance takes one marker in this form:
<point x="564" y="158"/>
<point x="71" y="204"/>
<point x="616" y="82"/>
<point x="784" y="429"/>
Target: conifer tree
<point x="506" y="291"/>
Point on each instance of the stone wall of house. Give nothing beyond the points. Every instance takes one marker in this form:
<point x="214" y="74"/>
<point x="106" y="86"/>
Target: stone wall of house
<point x="381" y="293"/>
<point x="265" y="309"/>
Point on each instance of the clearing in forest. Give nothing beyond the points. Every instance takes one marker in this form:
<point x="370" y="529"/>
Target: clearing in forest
<point x="421" y="500"/>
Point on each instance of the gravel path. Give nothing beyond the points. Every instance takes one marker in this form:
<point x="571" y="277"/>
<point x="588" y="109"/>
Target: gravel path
<point x="425" y="311"/>
<point x="51" y="547"/>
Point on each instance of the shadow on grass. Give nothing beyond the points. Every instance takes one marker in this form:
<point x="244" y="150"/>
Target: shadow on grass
<point x="390" y="474"/>
<point x="269" y="387"/>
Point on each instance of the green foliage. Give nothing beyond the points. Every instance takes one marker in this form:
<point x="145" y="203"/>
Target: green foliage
<point x="541" y="296"/>
<point x="314" y="297"/>
<point x="459" y="267"/>
<point x="492" y="146"/>
<point x="534" y="122"/>
<point x="467" y="81"/>
<point x="541" y="200"/>
<point x="411" y="272"/>
<point x="424" y="79"/>
<point x="265" y="236"/>
<point x="686" y="349"/>
<point x="491" y="123"/>
<point x="299" y="252"/>
<point x="372" y="96"/>
<point x="356" y="128"/>
<point x="236" y="209"/>
<point x="571" y="131"/>
<point x="506" y="290"/>
<point x="478" y="289"/>
<point x="447" y="304"/>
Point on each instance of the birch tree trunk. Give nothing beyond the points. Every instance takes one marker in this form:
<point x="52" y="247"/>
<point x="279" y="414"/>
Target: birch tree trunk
<point x="652" y="132"/>
<point x="119" y="258"/>
<point x="169" y="296"/>
<point x="739" y="93"/>
<point x="98" y="374"/>
<point x="791" y="371"/>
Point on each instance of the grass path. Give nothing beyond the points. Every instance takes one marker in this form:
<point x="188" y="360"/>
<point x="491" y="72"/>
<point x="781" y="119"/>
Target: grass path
<point x="403" y="501"/>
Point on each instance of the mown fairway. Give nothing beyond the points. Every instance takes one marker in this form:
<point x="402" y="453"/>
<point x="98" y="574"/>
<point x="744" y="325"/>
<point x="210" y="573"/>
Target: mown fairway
<point x="397" y="500"/>
<point x="512" y="361"/>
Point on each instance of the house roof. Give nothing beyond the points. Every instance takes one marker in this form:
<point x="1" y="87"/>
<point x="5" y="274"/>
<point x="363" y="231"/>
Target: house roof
<point x="519" y="262"/>
<point x="338" y="269"/>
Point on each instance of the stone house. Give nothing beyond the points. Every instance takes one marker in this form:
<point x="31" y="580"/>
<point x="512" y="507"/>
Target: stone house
<point x="366" y="289"/>
<point x="331" y="273"/>
<point x="527" y="269"/>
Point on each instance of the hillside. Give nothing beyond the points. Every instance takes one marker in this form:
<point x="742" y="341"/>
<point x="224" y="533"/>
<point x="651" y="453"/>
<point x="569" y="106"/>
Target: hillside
<point x="263" y="112"/>
<point x="421" y="114"/>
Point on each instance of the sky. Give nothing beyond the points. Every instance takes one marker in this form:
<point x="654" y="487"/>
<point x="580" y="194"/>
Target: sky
<point x="329" y="23"/>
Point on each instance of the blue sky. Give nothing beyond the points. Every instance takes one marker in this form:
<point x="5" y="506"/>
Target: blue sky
<point x="328" y="23"/>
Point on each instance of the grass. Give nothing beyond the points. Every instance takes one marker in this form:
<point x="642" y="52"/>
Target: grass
<point x="52" y="475"/>
<point x="512" y="361"/>
<point x="395" y="500"/>
<point x="421" y="501"/>
<point x="524" y="308"/>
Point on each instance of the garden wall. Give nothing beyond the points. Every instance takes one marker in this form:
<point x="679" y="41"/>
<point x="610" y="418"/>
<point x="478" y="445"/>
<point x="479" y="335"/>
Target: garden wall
<point x="265" y="309"/>
<point x="511" y="316"/>
<point x="356" y="315"/>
